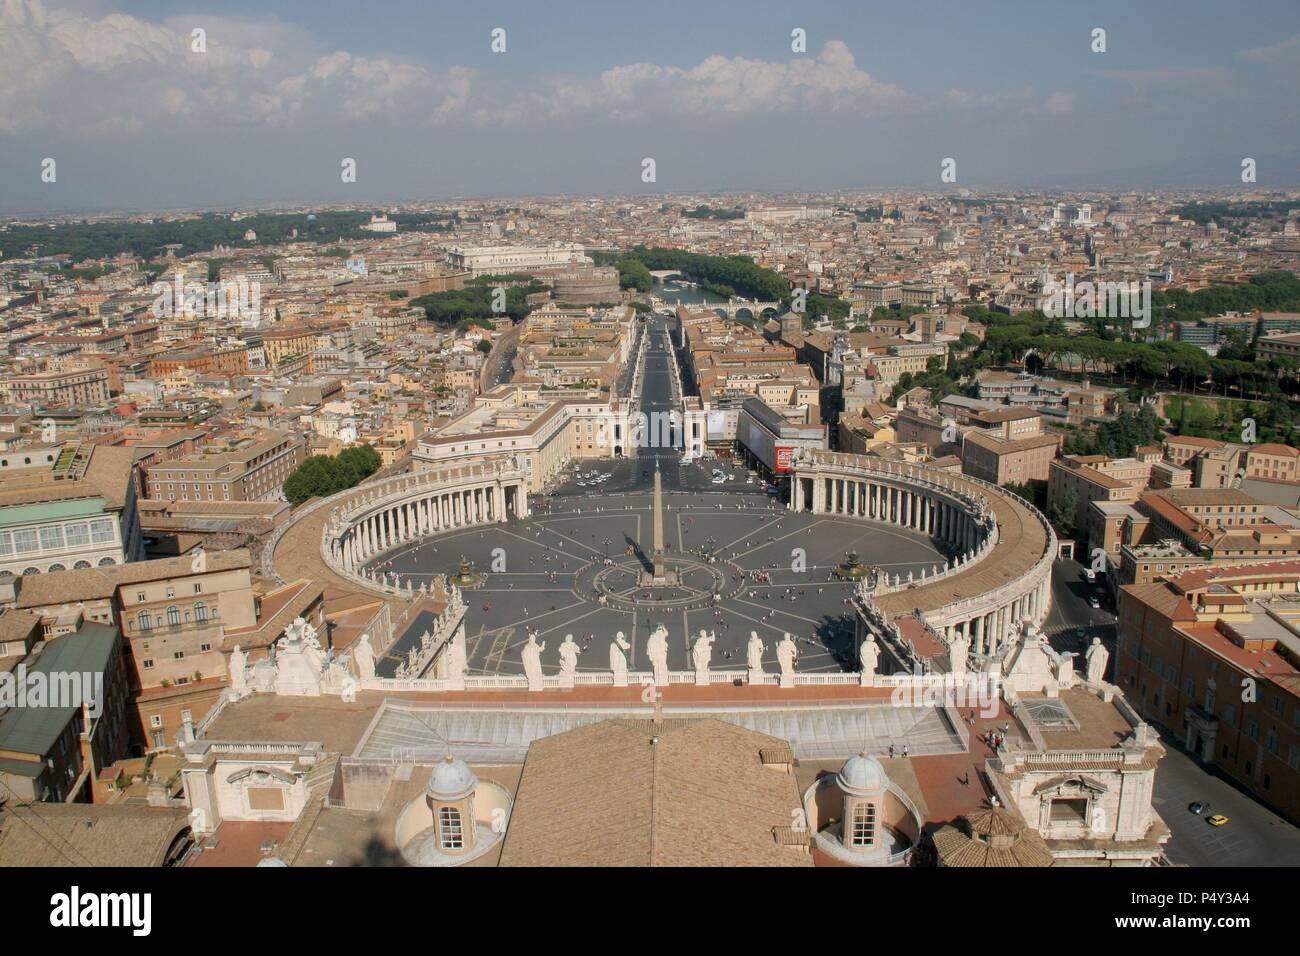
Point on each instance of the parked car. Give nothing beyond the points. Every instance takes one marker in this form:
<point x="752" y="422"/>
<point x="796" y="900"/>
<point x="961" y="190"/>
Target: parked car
<point x="1218" y="820"/>
<point x="1198" y="807"/>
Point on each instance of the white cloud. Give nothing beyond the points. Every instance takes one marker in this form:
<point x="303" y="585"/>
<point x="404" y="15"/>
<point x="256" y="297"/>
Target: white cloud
<point x="717" y="86"/>
<point x="106" y="75"/>
<point x="99" y="75"/>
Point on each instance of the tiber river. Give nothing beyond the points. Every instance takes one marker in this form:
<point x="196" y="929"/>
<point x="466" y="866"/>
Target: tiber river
<point x="673" y="291"/>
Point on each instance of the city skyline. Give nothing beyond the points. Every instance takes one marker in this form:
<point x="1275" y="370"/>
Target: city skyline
<point x="139" y="113"/>
<point x="593" y="435"/>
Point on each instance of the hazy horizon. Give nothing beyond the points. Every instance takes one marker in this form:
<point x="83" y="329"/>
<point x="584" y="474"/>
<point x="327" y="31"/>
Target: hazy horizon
<point x="137" y="119"/>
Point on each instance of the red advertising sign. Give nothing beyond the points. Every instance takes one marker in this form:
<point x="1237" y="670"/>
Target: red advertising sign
<point x="784" y="458"/>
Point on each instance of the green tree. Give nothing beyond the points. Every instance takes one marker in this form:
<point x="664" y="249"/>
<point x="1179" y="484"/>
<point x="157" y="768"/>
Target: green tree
<point x="321" y="475"/>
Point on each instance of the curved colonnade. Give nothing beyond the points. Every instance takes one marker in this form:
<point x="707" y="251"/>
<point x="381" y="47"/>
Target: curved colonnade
<point x="999" y="577"/>
<point x="1004" y="546"/>
<point x="388" y="514"/>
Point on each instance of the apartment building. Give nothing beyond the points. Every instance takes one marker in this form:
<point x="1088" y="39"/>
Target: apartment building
<point x="987" y="455"/>
<point x="1273" y="462"/>
<point x="285" y="341"/>
<point x="1213" y="655"/>
<point x="1194" y="528"/>
<point x="179" y="619"/>
<point x="254" y="469"/>
<point x="54" y="752"/>
<point x="80" y="387"/>
<point x="1279" y="347"/>
<point x="226" y="361"/>
<point x="1095" y="478"/>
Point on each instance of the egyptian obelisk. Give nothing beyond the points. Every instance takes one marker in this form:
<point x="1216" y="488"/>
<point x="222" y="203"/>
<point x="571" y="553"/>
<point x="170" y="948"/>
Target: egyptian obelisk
<point x="659" y="576"/>
<point x="659" y="525"/>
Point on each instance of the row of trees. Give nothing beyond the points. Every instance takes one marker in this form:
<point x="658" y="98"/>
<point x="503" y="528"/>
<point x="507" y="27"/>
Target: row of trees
<point x="322" y="475"/>
<point x="722" y="275"/>
<point x="476" y="301"/>
<point x="1203" y="212"/>
<point x="713" y="212"/>
<point x="1166" y="363"/>
<point x="98" y="240"/>
<point x="1275" y="291"/>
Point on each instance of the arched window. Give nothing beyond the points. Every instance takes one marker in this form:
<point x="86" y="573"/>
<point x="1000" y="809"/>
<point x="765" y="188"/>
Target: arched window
<point x="27" y="571"/>
<point x="106" y="562"/>
<point x="173" y="615"/>
<point x="450" y="835"/>
<point x="144" y="620"/>
<point x="81" y="566"/>
<point x="57" y="567"/>
<point x="200" y="612"/>
<point x="864" y="824"/>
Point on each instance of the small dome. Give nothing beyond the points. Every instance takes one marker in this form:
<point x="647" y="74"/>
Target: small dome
<point x="862" y="774"/>
<point x="451" y="780"/>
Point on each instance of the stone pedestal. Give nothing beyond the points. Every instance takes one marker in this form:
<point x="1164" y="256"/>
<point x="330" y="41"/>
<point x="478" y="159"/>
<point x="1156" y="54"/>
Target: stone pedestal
<point x="756" y="675"/>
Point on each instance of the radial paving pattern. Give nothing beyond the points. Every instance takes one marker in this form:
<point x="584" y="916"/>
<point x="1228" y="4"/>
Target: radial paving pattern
<point x="746" y="564"/>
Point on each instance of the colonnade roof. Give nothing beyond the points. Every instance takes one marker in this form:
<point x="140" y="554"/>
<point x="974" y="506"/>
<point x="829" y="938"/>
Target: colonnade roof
<point x="297" y="555"/>
<point x="1022" y="541"/>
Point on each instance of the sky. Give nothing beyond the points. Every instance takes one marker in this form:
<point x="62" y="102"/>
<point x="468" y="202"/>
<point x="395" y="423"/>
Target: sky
<point x="138" y="114"/>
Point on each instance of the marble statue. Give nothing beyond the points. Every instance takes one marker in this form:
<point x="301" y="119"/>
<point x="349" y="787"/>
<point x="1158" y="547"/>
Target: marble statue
<point x="348" y="687"/>
<point x="1013" y="632"/>
<point x="532" y="658"/>
<point x="238" y="678"/>
<point x="363" y="655"/>
<point x="1097" y="659"/>
<point x="958" y="654"/>
<point x="868" y="657"/>
<point x="656" y="649"/>
<point x="754" y="651"/>
<point x="618" y="659"/>
<point x="785" y="655"/>
<point x="701" y="651"/>
<point x="568" y="658"/>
